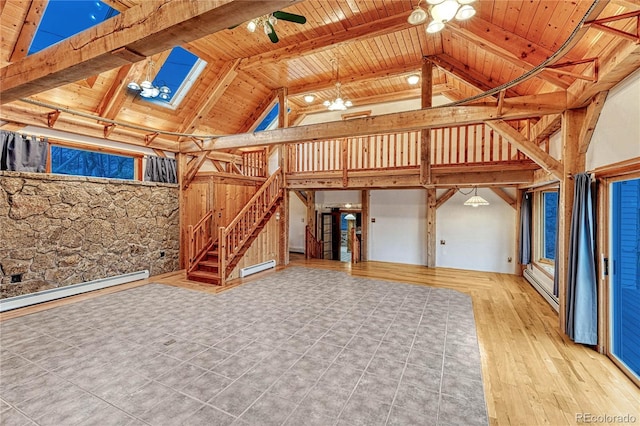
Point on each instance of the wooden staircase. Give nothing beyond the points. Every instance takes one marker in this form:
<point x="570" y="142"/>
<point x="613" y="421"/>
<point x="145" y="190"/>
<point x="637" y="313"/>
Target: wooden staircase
<point x="210" y="261"/>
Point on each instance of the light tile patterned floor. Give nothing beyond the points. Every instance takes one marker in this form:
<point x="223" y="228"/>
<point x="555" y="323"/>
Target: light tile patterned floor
<point x="299" y="347"/>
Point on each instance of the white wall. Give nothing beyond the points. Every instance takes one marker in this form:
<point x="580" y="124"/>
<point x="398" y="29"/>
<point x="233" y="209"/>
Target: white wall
<point x="327" y="199"/>
<point x="476" y="238"/>
<point x="617" y="134"/>
<point x="297" y="223"/>
<point x="399" y="231"/>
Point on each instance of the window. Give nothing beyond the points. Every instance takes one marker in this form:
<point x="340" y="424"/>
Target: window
<point x="549" y="227"/>
<point x="63" y="19"/>
<point x="71" y="161"/>
<point x="270" y="121"/>
<point x="179" y="71"/>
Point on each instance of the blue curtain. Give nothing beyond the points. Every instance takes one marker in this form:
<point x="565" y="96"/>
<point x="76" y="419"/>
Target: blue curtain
<point x="525" y="230"/>
<point x="161" y="169"/>
<point x="22" y="153"/>
<point x="582" y="300"/>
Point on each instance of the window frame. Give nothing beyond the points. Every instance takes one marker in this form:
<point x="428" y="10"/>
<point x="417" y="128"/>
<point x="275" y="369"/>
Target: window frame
<point x="546" y="265"/>
<point x="137" y="157"/>
<point x="187" y="83"/>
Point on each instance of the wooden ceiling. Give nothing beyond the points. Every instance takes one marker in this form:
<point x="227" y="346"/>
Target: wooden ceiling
<point x="374" y="45"/>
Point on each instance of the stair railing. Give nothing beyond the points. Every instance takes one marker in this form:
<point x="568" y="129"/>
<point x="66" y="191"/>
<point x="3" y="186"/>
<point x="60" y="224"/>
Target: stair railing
<point x="312" y="247"/>
<point x="233" y="237"/>
<point x="200" y="239"/>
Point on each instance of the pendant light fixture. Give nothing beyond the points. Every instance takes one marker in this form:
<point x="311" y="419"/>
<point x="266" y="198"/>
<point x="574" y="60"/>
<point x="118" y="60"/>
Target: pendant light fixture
<point x="147" y="89"/>
<point x="338" y="104"/>
<point x="476" y="200"/>
<point x="441" y="11"/>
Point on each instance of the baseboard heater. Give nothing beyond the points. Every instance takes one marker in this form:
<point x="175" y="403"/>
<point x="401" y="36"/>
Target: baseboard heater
<point x="258" y="267"/>
<point x="549" y="297"/>
<point x="70" y="290"/>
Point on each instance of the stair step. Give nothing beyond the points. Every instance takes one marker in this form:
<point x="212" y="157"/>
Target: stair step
<point x="204" y="277"/>
<point x="213" y="253"/>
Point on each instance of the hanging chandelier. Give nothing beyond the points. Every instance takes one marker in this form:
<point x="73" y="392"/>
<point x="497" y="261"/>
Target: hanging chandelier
<point x="338" y="104"/>
<point x="441" y="11"/>
<point x="147" y="89"/>
<point x="476" y="200"/>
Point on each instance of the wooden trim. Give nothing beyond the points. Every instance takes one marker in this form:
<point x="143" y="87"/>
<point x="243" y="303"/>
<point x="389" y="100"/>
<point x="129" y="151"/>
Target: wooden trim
<point x="28" y="30"/>
<point x="621" y="168"/>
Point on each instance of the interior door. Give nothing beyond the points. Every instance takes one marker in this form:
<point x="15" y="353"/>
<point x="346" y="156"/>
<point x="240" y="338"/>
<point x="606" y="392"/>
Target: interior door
<point x="625" y="273"/>
<point x="327" y="236"/>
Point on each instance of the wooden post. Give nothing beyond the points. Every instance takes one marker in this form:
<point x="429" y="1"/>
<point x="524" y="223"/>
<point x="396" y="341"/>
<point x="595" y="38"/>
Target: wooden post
<point x="519" y="194"/>
<point x="181" y="160"/>
<point x="283" y="226"/>
<point x="364" y="253"/>
<point x="573" y="162"/>
<point x="311" y="212"/>
<point x="425" y="142"/>
<point x="431" y="227"/>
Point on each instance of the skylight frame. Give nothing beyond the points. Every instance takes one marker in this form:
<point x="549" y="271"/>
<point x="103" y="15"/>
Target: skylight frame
<point x="187" y="83"/>
<point x="47" y="18"/>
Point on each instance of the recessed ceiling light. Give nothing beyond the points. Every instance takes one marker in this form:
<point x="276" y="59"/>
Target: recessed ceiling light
<point x="413" y="79"/>
<point x="309" y="98"/>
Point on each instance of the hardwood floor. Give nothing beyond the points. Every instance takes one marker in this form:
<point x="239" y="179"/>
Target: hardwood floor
<point x="533" y="375"/>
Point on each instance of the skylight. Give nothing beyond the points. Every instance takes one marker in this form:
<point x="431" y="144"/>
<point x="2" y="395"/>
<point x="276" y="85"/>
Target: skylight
<point x="269" y="119"/>
<point x="63" y="19"/>
<point x="179" y="71"/>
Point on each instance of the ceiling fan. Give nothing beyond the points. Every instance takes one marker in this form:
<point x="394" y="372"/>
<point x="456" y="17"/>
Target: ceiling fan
<point x="268" y="22"/>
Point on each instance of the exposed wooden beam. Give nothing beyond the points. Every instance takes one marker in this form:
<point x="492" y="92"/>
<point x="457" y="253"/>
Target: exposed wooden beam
<point x="283" y="113"/>
<point x="356" y="78"/>
<point x="591" y="119"/>
<point x="446" y="197"/>
<point x="260" y="112"/>
<point x="530" y="149"/>
<point x="506" y="197"/>
<point x="146" y="29"/>
<point x="210" y="96"/>
<point x="499" y="178"/>
<point x="431" y="227"/>
<point x="466" y="74"/>
<point x="426" y="101"/>
<point x="192" y="168"/>
<point x="28" y="29"/>
<point x="507" y="46"/>
<point x="545" y="127"/>
<point x="330" y="41"/>
<point x="621" y="60"/>
<point x="514" y="108"/>
<point x="381" y="98"/>
<point x="37" y="116"/>
<point x="160" y="153"/>
<point x="301" y="195"/>
<point x="117" y="91"/>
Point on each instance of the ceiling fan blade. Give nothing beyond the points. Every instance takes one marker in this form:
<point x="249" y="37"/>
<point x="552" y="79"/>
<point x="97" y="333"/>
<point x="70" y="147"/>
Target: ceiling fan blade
<point x="291" y="17"/>
<point x="272" y="34"/>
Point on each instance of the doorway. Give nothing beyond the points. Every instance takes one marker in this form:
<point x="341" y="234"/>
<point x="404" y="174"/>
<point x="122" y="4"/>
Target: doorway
<point x="338" y="229"/>
<point x="624" y="269"/>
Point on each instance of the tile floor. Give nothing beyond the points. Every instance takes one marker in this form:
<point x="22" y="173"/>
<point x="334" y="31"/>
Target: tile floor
<point x="299" y="347"/>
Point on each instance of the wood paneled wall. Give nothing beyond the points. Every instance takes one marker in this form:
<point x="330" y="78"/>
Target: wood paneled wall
<point x="226" y="198"/>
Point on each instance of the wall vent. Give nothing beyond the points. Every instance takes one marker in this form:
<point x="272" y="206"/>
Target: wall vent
<point x="549" y="297"/>
<point x="244" y="272"/>
<point x="70" y="290"/>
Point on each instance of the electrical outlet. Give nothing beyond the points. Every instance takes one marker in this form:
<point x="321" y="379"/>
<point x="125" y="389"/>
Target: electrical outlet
<point x="302" y="220"/>
<point x="509" y="259"/>
<point x="162" y="254"/>
<point x="17" y="278"/>
<point x="442" y="242"/>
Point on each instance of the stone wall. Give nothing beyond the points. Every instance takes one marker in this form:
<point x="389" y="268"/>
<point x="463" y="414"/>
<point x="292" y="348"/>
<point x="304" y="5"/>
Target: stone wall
<point x="60" y="230"/>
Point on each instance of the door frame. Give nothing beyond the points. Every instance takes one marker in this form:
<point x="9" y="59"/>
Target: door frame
<point x="604" y="196"/>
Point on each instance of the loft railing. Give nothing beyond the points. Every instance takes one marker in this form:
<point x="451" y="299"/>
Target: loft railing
<point x="233" y="237"/>
<point x="459" y="145"/>
<point x="312" y="246"/>
<point x="200" y="240"/>
<point x="254" y="163"/>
